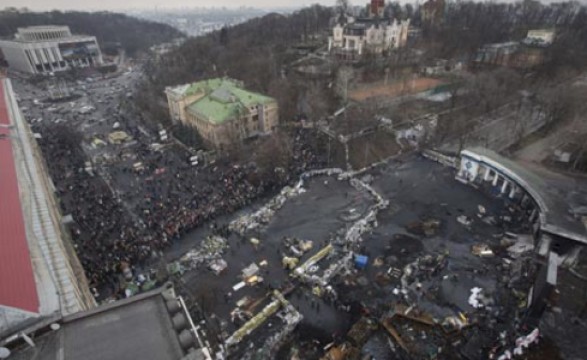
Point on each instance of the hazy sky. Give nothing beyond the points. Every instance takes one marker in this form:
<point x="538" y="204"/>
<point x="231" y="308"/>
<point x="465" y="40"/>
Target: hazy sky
<point x="150" y="4"/>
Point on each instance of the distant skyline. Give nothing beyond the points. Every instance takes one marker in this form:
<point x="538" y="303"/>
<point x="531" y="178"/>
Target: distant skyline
<point x="117" y="5"/>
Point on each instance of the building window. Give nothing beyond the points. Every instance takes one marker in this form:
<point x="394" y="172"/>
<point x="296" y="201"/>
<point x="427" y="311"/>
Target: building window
<point x="38" y="55"/>
<point x="55" y="55"/>
<point x="28" y="55"/>
<point x="47" y="56"/>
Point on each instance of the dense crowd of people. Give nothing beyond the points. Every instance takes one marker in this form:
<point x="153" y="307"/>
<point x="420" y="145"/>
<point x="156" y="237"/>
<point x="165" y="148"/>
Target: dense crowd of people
<point x="152" y="206"/>
<point x="180" y="197"/>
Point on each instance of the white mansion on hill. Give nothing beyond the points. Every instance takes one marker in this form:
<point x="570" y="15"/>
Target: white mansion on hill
<point x="368" y="35"/>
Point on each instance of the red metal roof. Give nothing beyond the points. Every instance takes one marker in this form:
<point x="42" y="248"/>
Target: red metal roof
<point x="17" y="281"/>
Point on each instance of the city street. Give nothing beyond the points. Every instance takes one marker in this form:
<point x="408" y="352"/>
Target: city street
<point x="140" y="192"/>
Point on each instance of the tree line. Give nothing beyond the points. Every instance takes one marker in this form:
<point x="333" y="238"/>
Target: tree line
<point x="467" y="25"/>
<point x="256" y="52"/>
<point x="111" y="29"/>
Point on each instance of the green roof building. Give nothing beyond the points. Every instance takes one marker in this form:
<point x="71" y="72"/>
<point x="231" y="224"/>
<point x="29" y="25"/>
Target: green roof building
<point x="222" y="110"/>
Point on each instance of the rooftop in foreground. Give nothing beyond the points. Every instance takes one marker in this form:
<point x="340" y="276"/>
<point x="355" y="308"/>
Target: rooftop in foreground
<point x="140" y="327"/>
<point x="38" y="277"/>
<point x="17" y="281"/>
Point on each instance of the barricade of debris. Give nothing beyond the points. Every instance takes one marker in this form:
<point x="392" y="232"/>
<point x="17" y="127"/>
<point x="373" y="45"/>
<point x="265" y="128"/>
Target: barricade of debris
<point x="380" y="202"/>
<point x="291" y="317"/>
<point x="209" y="253"/>
<point x="356" y="337"/>
<point x="417" y="333"/>
<point x="422" y="268"/>
<point x="252" y="221"/>
<point x="427" y="228"/>
<point x="303" y="271"/>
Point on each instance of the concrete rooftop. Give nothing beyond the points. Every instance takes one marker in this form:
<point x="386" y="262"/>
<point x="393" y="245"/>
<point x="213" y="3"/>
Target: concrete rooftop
<point x="135" y="328"/>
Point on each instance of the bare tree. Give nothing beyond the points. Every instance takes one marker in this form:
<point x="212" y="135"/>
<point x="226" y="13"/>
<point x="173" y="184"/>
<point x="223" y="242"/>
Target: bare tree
<point x="317" y="102"/>
<point x="556" y="102"/>
<point x="274" y="152"/>
<point x="342" y="9"/>
<point x="286" y="93"/>
<point x="344" y="77"/>
<point x="580" y="128"/>
<point x="580" y="160"/>
<point x="492" y="89"/>
<point x="232" y="139"/>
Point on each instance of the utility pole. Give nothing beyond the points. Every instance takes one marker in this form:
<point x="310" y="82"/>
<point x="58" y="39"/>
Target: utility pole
<point x="366" y="151"/>
<point x="328" y="161"/>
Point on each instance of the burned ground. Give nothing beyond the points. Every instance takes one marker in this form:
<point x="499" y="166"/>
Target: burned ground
<point x="419" y="256"/>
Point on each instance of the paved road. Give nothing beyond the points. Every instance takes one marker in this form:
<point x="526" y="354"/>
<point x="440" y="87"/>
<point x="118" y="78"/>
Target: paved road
<point x="541" y="149"/>
<point x="499" y="129"/>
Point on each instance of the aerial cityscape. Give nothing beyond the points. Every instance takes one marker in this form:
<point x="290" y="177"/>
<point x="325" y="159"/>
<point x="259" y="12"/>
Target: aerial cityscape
<point x="366" y="180"/>
<point x="198" y="21"/>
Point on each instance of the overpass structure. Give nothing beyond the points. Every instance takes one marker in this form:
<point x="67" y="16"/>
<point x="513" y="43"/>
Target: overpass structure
<point x="551" y="208"/>
<point x="548" y="199"/>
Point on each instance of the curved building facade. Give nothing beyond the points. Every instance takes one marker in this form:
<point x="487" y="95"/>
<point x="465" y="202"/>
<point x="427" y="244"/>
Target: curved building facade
<point x="47" y="49"/>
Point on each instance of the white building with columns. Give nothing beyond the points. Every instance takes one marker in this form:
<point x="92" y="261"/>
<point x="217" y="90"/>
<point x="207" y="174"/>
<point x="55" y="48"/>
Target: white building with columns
<point x="541" y="195"/>
<point x="547" y="201"/>
<point x="372" y="35"/>
<point x="47" y="49"/>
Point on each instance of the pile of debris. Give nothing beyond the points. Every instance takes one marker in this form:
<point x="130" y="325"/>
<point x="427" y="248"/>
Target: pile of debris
<point x="426" y="228"/>
<point x="422" y="268"/>
<point x="209" y="253"/>
<point x="297" y="247"/>
<point x="291" y="318"/>
<point x="252" y="221"/>
<point x="357" y="336"/>
<point x="361" y="226"/>
<point x="417" y="333"/>
<point x="362" y="186"/>
<point x="217" y="266"/>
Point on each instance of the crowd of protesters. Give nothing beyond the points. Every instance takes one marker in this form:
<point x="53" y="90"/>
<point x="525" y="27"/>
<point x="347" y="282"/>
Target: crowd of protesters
<point x="153" y="206"/>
